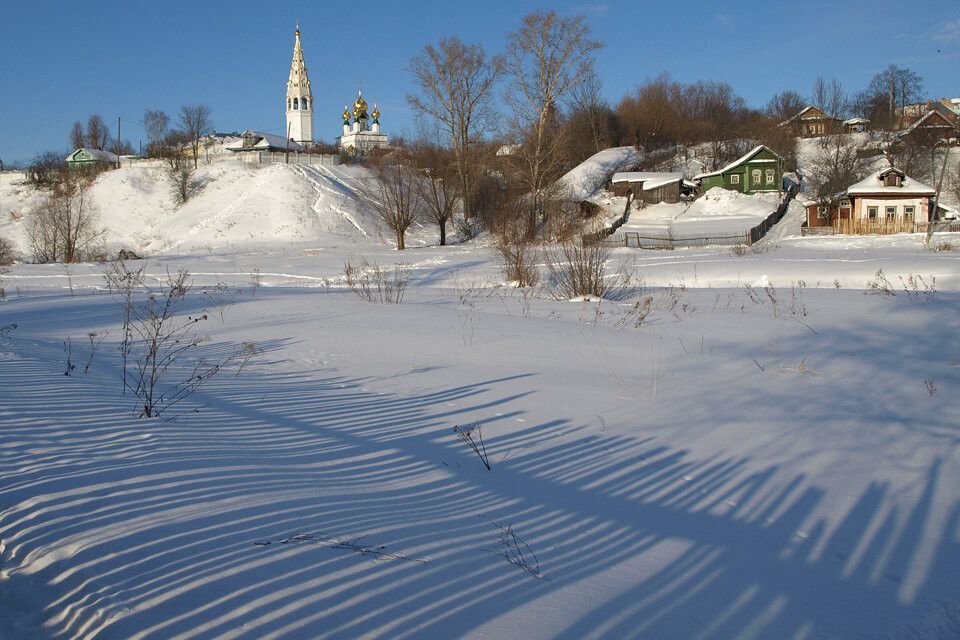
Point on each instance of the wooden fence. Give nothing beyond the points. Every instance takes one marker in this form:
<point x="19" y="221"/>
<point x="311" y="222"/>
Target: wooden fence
<point x="866" y="227"/>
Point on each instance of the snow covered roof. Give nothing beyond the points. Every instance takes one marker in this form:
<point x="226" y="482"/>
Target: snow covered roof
<point x="644" y="176"/>
<point x="659" y="182"/>
<point x="99" y="154"/>
<point x="757" y="149"/>
<point x="856" y="121"/>
<point x="873" y="184"/>
<point x="266" y="141"/>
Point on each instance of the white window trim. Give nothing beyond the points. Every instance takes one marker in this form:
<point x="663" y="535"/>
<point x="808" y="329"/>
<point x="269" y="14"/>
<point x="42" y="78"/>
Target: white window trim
<point x="735" y="178"/>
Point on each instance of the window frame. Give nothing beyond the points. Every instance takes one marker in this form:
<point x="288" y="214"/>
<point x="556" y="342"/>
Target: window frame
<point x="873" y="213"/>
<point x="890" y="212"/>
<point x="734" y="178"/>
<point x="756" y="177"/>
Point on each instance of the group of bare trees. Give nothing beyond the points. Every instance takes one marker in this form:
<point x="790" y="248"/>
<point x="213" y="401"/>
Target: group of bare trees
<point x="547" y="73"/>
<point x="97" y="135"/>
<point x="63" y="227"/>
<point x="179" y="147"/>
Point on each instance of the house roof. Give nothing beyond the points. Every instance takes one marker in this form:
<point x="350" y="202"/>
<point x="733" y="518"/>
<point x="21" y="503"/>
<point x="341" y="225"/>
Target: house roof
<point x="818" y="114"/>
<point x="105" y="156"/>
<point x="744" y="158"/>
<point x="266" y="141"/>
<point x="856" y="121"/>
<point x="873" y="184"/>
<point x="644" y="176"/>
<point x="930" y="115"/>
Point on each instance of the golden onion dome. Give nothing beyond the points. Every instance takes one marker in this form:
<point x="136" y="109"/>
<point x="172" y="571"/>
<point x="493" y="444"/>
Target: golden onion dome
<point x="360" y="106"/>
<point x="346" y="114"/>
<point x="376" y="112"/>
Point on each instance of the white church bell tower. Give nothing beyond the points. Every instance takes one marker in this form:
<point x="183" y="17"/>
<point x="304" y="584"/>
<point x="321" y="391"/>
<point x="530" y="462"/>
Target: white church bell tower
<point x="299" y="98"/>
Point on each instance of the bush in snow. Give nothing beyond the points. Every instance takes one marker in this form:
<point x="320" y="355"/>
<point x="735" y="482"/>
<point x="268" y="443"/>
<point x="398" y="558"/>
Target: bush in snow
<point x="8" y="254"/>
<point x="376" y="283"/>
<point x="578" y="268"/>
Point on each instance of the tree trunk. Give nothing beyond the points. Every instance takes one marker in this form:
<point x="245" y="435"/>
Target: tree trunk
<point x="443" y="232"/>
<point x="400" y="244"/>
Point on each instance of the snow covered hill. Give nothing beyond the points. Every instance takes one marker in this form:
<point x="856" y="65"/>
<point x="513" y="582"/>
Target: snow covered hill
<point x="237" y="208"/>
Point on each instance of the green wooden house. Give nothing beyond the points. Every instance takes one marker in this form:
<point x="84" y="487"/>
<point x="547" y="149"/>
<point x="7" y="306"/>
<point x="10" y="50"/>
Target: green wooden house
<point x="759" y="171"/>
<point x="86" y="157"/>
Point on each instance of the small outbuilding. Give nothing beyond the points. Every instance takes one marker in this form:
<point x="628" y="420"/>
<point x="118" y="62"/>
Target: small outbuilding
<point x="758" y="171"/>
<point x="651" y="186"/>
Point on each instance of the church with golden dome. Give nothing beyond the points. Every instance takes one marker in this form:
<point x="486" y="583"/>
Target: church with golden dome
<point x="361" y="130"/>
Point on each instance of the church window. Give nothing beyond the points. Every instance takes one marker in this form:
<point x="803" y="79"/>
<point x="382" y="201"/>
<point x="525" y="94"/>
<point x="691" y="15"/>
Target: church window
<point x="288" y="104"/>
<point x="296" y="104"/>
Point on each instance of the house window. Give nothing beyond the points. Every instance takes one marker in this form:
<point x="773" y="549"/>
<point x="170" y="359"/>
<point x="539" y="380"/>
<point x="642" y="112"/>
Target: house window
<point x="872" y="212"/>
<point x="891" y="213"/>
<point x="822" y="212"/>
<point x="769" y="176"/>
<point x="845" y="203"/>
<point x="756" y="176"/>
<point x="908" y="214"/>
<point x="735" y="178"/>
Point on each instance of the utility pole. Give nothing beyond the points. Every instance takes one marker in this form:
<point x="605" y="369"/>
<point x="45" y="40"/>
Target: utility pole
<point x="936" y="197"/>
<point x="286" y="156"/>
<point x="117" y="146"/>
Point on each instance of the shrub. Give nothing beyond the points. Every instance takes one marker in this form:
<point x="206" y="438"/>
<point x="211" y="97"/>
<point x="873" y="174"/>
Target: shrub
<point x="578" y="268"/>
<point x="373" y="282"/>
<point x="8" y="253"/>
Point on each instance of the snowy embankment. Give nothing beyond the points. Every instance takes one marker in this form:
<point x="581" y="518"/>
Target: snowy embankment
<point x="734" y="463"/>
<point x="717" y="212"/>
<point x="237" y="207"/>
<point x="586" y="180"/>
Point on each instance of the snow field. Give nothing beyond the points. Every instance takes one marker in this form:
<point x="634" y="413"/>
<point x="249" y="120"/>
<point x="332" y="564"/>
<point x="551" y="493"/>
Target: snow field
<point x="749" y="464"/>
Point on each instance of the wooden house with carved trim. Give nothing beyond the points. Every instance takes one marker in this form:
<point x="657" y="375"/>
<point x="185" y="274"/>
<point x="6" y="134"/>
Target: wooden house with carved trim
<point x="812" y="122"/>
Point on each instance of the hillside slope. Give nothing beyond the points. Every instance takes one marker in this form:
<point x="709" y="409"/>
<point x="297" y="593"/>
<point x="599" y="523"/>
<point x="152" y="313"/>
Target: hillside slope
<point x="236" y="208"/>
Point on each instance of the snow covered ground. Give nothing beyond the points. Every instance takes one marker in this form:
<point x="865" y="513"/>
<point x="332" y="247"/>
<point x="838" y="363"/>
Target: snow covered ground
<point x="717" y="212"/>
<point x="779" y="462"/>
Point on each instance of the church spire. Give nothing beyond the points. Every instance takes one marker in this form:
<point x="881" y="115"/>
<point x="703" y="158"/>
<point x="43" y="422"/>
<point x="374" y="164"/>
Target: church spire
<point x="299" y="96"/>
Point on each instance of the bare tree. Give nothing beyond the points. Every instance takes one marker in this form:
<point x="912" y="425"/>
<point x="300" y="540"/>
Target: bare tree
<point x="156" y="123"/>
<point x="888" y="93"/>
<point x="63" y="228"/>
<point x="715" y="114"/>
<point x="836" y="168"/>
<point x="180" y="171"/>
<point x="829" y="97"/>
<point x="98" y="134"/>
<point x="784" y="105"/>
<point x="591" y="124"/>
<point x="438" y="187"/>
<point x="456" y="82"/>
<point x="398" y="203"/>
<point x="76" y="135"/>
<point x="547" y="59"/>
<point x="196" y="121"/>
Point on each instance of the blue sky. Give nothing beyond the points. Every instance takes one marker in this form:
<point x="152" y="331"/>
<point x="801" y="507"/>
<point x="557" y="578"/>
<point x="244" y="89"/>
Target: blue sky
<point x="61" y="61"/>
